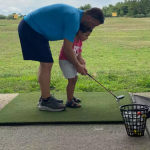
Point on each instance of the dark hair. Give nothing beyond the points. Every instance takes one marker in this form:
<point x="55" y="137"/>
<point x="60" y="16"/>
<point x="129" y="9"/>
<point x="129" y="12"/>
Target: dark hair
<point x="83" y="28"/>
<point x="96" y="13"/>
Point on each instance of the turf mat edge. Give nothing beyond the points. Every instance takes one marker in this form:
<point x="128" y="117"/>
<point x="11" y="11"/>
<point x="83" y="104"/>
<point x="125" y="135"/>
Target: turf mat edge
<point x="97" y="107"/>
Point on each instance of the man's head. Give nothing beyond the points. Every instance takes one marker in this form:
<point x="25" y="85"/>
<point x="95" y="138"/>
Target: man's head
<point x="83" y="32"/>
<point x="93" y="17"/>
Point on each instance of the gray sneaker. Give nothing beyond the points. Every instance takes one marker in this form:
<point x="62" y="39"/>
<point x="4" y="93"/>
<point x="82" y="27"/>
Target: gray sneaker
<point x="58" y="100"/>
<point x="51" y="105"/>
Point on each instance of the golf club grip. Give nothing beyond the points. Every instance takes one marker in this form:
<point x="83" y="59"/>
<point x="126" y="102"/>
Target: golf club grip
<point x="89" y="75"/>
<point x="101" y="85"/>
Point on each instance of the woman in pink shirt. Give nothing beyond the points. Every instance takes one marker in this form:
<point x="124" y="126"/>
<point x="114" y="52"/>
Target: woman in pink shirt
<point x="69" y="70"/>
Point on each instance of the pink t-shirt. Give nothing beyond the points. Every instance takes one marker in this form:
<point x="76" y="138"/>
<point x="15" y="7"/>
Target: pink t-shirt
<point x="77" y="47"/>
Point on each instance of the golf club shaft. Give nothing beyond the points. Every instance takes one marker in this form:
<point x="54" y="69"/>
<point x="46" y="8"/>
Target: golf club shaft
<point x="102" y="86"/>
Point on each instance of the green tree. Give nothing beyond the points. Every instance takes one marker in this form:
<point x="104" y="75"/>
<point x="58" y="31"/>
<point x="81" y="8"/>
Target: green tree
<point x="2" y="17"/>
<point x="105" y="9"/>
<point x="85" y="7"/>
<point x="121" y="13"/>
<point x="11" y="16"/>
<point x="132" y="8"/>
<point x="144" y="6"/>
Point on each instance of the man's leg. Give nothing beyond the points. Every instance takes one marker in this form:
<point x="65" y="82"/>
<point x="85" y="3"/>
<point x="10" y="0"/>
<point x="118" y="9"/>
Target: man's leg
<point x="48" y="102"/>
<point x="44" y="76"/>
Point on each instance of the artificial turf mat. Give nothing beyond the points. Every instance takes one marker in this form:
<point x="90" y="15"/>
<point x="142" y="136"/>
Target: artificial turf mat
<point x="97" y="107"/>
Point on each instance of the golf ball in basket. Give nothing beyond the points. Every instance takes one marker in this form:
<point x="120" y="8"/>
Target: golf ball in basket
<point x="139" y="113"/>
<point x="135" y="131"/>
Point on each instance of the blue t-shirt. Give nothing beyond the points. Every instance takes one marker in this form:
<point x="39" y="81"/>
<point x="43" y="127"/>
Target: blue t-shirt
<point x="56" y="22"/>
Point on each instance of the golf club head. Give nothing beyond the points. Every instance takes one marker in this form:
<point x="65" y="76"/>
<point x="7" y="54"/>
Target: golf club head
<point x="119" y="98"/>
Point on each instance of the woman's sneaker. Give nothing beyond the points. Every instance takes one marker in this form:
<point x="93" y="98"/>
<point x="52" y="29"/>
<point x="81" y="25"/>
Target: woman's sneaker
<point x="51" y="104"/>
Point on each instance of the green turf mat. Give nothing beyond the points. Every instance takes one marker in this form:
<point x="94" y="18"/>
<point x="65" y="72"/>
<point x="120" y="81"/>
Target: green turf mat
<point x="100" y="107"/>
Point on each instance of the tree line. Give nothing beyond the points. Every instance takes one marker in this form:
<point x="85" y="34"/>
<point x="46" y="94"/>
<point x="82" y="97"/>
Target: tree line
<point x="11" y="16"/>
<point x="128" y="8"/>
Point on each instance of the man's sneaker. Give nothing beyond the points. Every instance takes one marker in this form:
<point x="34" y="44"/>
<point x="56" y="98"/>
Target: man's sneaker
<point x="58" y="100"/>
<point x="51" y="105"/>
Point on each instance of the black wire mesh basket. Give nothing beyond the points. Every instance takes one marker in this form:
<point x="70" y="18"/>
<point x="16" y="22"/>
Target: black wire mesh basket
<point x="135" y="116"/>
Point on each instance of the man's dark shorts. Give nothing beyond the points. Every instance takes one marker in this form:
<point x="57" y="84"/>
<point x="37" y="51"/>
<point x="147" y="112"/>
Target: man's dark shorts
<point x="34" y="45"/>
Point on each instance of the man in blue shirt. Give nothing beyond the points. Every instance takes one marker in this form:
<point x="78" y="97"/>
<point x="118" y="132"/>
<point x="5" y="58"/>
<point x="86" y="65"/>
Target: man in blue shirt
<point x="51" y="23"/>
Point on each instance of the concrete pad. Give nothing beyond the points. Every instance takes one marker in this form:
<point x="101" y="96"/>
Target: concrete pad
<point x="63" y="136"/>
<point x="146" y="94"/>
<point x="70" y="137"/>
<point x="6" y="98"/>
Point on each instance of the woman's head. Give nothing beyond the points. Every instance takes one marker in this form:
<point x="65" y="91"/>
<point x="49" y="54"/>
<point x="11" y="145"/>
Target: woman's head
<point x="83" y="32"/>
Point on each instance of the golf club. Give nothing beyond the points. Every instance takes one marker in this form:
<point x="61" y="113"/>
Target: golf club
<point x="118" y="98"/>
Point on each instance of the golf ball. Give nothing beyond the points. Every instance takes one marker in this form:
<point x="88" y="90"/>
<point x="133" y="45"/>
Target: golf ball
<point x="139" y="113"/>
<point x="135" y="131"/>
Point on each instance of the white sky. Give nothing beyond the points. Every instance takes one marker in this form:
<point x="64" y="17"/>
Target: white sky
<point x="25" y="6"/>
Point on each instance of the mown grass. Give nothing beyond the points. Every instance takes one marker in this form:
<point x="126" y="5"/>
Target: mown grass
<point x="117" y="55"/>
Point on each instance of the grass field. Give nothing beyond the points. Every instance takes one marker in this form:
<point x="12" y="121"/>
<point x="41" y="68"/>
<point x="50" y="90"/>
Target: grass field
<point x="117" y="55"/>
